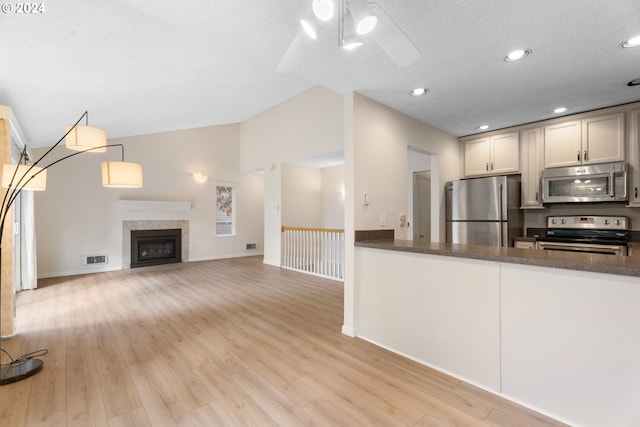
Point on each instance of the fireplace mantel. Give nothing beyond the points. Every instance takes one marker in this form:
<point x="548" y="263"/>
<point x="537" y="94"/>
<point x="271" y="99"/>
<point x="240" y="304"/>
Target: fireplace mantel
<point x="153" y="205"/>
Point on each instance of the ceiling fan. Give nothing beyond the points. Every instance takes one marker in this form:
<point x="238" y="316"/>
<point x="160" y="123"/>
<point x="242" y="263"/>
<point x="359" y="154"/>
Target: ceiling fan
<point x="358" y="20"/>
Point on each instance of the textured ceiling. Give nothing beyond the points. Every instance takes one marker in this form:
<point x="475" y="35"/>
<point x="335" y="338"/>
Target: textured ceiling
<point x="149" y="66"/>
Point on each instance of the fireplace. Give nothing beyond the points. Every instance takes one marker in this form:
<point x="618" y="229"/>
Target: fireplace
<point x="154" y="247"/>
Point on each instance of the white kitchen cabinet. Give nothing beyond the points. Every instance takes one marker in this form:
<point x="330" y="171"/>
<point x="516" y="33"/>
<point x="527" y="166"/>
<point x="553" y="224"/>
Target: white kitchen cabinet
<point x="531" y="163"/>
<point x="597" y="139"/>
<point x="495" y="155"/>
<point x="634" y="159"/>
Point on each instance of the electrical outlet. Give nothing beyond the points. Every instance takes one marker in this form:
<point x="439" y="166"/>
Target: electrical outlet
<point x="383" y="219"/>
<point x="365" y="199"/>
<point x="403" y="220"/>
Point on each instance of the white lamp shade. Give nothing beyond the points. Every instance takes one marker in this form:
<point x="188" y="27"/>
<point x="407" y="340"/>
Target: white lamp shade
<point x="12" y="178"/>
<point x="121" y="174"/>
<point x="86" y="137"/>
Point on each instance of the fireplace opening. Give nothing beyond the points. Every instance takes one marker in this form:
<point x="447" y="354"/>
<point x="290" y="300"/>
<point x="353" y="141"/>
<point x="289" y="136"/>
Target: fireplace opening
<point x="154" y="247"/>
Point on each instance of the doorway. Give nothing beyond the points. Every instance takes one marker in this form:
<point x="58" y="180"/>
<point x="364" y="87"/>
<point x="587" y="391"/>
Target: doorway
<point x="422" y="206"/>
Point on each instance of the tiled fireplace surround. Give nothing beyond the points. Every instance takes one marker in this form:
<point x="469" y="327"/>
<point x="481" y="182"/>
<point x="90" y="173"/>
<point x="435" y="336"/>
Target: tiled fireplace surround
<point x="127" y="226"/>
<point x="153" y="215"/>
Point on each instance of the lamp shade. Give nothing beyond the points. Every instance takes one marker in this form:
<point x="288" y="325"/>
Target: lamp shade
<point x="121" y="174"/>
<point x="86" y="137"/>
<point x="12" y="178"/>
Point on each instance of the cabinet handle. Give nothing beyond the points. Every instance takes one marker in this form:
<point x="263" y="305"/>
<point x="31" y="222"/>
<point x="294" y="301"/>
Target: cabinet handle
<point x="578" y="155"/>
<point x="491" y="165"/>
<point x="487" y="165"/>
<point x="636" y="196"/>
<point x="536" y="196"/>
<point x="586" y="156"/>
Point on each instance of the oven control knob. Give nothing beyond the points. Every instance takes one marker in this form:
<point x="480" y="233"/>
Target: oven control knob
<point x="564" y="221"/>
<point x="618" y="222"/>
<point x="553" y="221"/>
<point x="606" y="222"/>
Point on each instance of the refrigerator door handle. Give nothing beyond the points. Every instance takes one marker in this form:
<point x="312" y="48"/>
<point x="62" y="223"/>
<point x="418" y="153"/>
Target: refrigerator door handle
<point x="501" y="217"/>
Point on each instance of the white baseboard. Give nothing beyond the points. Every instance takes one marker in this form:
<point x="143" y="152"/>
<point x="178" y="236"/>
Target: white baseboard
<point x="120" y="267"/>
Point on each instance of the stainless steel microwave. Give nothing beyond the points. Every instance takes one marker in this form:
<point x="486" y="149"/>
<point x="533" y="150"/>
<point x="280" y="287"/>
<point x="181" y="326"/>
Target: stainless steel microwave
<point x="605" y="182"/>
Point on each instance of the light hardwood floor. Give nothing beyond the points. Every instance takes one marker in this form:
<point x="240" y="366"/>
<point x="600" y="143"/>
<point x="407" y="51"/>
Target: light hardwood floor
<point x="229" y="342"/>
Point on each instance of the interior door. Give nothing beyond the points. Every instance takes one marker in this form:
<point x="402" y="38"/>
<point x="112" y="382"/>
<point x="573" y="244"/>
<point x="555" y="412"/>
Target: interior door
<point x="422" y="206"/>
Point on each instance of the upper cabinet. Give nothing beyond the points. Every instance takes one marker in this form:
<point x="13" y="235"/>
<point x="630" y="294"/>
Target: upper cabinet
<point x="531" y="152"/>
<point x="580" y="142"/>
<point x="634" y="159"/>
<point x="494" y="155"/>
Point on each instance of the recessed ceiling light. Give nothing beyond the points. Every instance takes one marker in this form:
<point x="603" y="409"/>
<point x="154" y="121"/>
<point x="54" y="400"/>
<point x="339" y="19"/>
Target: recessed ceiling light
<point x="635" y="82"/>
<point x="517" y="55"/>
<point x="560" y="110"/>
<point x="483" y="127"/>
<point x="419" y="91"/>
<point x="632" y="42"/>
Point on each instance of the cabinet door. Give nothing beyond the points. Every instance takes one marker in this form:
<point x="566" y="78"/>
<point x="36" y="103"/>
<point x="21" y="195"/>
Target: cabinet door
<point x="505" y="153"/>
<point x="634" y="159"/>
<point x="532" y="148"/>
<point x="603" y="139"/>
<point x="562" y="144"/>
<point x="476" y="157"/>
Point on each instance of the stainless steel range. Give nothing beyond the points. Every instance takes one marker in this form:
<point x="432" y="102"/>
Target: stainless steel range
<point x="592" y="234"/>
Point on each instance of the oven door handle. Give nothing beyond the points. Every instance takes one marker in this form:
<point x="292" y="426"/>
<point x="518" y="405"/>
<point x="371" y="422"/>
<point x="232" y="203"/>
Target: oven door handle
<point x="581" y="247"/>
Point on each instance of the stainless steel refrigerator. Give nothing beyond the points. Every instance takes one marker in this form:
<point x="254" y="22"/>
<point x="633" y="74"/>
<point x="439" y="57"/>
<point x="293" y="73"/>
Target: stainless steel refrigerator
<point x="484" y="211"/>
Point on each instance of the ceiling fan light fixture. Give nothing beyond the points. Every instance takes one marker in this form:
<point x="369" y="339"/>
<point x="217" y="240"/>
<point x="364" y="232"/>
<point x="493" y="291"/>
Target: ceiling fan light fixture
<point x="366" y="24"/>
<point x="350" y="43"/>
<point x="349" y="40"/>
<point x="632" y="42"/>
<point x="517" y="55"/>
<point x="323" y="9"/>
<point x="365" y="17"/>
<point x="310" y="28"/>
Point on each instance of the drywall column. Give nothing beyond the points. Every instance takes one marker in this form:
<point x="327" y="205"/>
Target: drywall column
<point x="349" y="321"/>
<point x="6" y="291"/>
<point x="273" y="215"/>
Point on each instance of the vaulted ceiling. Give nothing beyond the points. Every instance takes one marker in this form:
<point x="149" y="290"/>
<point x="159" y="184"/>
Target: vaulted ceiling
<point x="142" y="66"/>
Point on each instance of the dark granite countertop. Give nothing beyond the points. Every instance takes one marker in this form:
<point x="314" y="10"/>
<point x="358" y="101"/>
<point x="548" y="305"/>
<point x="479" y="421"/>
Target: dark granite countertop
<point x="609" y="264"/>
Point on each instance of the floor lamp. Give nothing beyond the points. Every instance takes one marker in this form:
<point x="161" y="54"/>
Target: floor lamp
<point x="22" y="176"/>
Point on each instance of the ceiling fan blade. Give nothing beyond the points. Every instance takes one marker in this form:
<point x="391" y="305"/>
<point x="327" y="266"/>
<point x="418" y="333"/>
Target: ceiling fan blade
<point x="393" y="40"/>
<point x="293" y="56"/>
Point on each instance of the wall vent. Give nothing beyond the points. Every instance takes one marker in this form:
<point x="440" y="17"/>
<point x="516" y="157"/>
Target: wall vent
<point x="250" y="246"/>
<point x="94" y="259"/>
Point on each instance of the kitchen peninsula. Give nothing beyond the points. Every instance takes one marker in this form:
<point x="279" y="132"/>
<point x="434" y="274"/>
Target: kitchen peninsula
<point x="554" y="331"/>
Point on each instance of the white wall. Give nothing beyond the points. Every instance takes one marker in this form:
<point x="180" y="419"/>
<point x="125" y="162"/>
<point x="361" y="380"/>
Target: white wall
<point x="376" y="144"/>
<point x="76" y="216"/>
<point x="301" y="196"/>
<point x="313" y="197"/>
<point x="333" y="192"/>
<point x="305" y="126"/>
<point x="382" y="138"/>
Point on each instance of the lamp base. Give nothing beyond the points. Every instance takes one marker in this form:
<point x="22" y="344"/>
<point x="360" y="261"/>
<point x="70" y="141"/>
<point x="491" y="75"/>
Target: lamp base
<point x="18" y="371"/>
